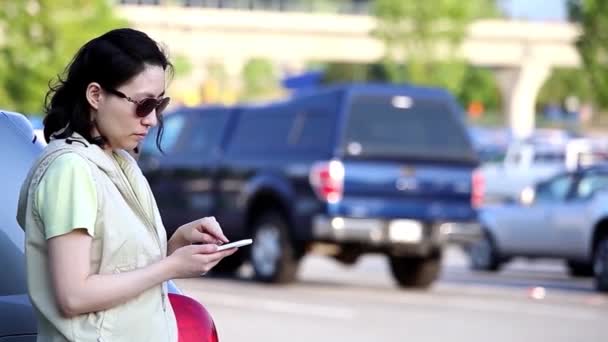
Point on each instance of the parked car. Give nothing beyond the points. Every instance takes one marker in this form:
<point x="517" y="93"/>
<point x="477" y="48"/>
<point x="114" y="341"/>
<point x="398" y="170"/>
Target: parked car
<point x="19" y="147"/>
<point x="362" y="168"/>
<point x="565" y="217"/>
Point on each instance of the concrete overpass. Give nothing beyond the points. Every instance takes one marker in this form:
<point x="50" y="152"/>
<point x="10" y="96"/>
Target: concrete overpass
<point x="521" y="53"/>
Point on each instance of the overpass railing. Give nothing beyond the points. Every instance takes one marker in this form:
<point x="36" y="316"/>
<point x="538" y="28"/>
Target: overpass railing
<point x="332" y="6"/>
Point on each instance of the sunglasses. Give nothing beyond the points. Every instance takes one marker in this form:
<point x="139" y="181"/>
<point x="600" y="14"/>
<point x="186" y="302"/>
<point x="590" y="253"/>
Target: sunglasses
<point x="145" y="106"/>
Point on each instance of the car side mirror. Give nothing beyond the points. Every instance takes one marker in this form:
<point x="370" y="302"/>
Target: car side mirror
<point x="527" y="196"/>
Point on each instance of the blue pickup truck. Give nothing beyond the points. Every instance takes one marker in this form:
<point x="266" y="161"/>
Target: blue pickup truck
<point x="362" y="168"/>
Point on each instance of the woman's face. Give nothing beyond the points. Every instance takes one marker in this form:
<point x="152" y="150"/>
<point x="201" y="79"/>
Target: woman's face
<point x="115" y="117"/>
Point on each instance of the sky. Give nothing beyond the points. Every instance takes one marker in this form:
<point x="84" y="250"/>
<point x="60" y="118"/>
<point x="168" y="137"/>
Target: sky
<point x="545" y="10"/>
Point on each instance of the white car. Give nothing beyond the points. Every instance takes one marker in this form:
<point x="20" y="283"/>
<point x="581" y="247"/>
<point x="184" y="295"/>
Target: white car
<point x="527" y="163"/>
<point x="565" y="217"/>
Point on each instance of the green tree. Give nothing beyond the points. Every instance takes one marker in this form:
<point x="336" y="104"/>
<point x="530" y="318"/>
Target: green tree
<point x="480" y="85"/>
<point x="592" y="15"/>
<point x="38" y="38"/>
<point x="564" y="83"/>
<point x="259" y="79"/>
<point x="419" y="33"/>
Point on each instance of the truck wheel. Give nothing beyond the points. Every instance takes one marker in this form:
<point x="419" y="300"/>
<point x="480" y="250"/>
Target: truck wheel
<point x="600" y="264"/>
<point x="483" y="254"/>
<point x="580" y="269"/>
<point x="415" y="272"/>
<point x="273" y="256"/>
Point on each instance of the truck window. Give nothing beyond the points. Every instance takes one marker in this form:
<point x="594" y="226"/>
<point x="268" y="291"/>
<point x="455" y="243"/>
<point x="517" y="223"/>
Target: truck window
<point x="263" y="130"/>
<point x="314" y="125"/>
<point x="172" y="129"/>
<point x="550" y="157"/>
<point x="206" y="131"/>
<point x="386" y="125"/>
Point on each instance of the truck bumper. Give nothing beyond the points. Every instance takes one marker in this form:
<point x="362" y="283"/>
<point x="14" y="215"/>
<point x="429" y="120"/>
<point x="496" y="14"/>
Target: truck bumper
<point x="399" y="236"/>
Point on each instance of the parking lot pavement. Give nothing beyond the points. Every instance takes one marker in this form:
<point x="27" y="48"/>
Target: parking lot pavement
<point x="331" y="302"/>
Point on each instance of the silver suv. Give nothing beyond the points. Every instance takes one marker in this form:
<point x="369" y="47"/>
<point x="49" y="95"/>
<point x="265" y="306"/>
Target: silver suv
<point x="564" y="217"/>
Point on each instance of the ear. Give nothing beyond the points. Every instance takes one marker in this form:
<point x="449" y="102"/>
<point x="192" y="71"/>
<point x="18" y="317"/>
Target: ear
<point x="94" y="95"/>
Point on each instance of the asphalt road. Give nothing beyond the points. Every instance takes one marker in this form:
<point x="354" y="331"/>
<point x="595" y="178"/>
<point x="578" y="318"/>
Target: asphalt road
<point x="525" y="302"/>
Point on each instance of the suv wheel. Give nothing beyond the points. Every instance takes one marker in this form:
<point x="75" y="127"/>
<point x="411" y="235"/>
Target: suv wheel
<point x="272" y="254"/>
<point x="415" y="272"/>
<point x="483" y="254"/>
<point x="600" y="264"/>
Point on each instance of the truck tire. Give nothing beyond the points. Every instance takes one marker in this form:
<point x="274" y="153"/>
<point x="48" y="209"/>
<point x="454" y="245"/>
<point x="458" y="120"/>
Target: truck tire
<point x="483" y="254"/>
<point x="273" y="256"/>
<point x="579" y="269"/>
<point x="600" y="264"/>
<point x="415" y="272"/>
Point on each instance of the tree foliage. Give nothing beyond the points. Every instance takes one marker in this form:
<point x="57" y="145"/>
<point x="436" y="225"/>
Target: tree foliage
<point x="259" y="79"/>
<point x="422" y="38"/>
<point x="592" y="15"/>
<point x="38" y="38"/>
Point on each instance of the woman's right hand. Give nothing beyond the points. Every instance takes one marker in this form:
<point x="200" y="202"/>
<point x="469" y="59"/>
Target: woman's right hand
<point x="194" y="260"/>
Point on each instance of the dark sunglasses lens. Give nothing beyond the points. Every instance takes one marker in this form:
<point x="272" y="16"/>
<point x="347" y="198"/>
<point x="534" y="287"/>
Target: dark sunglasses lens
<point x="160" y="108"/>
<point x="148" y="105"/>
<point x="145" y="107"/>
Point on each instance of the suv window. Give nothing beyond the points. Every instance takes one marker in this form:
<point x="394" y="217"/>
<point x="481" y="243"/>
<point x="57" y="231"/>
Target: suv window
<point x="589" y="184"/>
<point x="556" y="189"/>
<point x="263" y="130"/>
<point x="386" y="125"/>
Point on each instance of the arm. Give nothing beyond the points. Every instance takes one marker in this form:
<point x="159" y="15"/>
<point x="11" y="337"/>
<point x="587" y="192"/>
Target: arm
<point x="77" y="291"/>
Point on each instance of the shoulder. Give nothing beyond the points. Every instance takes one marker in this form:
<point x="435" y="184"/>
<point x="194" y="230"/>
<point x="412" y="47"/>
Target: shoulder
<point x="68" y="166"/>
<point x="69" y="160"/>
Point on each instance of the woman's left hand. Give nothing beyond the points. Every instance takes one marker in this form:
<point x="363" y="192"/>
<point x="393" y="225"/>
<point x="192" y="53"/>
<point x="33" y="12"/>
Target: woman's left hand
<point x="205" y="230"/>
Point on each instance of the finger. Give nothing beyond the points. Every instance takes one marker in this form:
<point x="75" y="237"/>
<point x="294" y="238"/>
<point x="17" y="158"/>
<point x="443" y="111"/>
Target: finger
<point x="207" y="248"/>
<point x="217" y="230"/>
<point x="211" y="226"/>
<point x="198" y="236"/>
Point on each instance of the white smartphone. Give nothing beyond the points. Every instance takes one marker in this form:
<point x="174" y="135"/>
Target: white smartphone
<point x="239" y="243"/>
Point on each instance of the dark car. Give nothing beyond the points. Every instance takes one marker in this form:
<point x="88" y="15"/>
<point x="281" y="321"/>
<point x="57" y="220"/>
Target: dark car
<point x="362" y="168"/>
<point x="18" y="149"/>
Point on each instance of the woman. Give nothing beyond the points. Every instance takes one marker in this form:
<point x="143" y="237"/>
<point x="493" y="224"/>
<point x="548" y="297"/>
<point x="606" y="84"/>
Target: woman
<point x="96" y="249"/>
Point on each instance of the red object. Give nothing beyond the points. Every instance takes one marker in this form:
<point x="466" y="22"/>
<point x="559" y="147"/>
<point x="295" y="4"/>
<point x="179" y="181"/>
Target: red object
<point x="194" y="323"/>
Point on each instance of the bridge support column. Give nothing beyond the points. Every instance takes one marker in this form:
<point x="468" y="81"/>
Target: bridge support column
<point x="519" y="87"/>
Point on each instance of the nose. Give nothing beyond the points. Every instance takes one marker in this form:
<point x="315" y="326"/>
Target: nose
<point x="151" y="119"/>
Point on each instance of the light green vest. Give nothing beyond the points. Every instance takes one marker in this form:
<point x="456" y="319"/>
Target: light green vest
<point x="129" y="234"/>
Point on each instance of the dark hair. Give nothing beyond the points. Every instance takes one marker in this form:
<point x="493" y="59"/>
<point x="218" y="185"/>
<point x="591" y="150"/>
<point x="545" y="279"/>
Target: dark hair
<point x="110" y="60"/>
